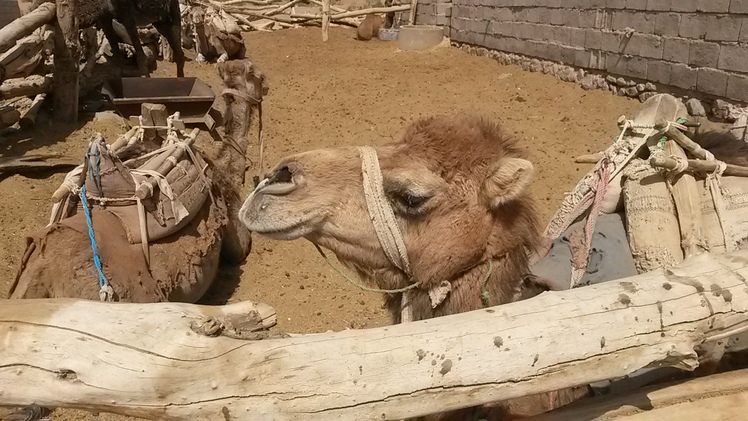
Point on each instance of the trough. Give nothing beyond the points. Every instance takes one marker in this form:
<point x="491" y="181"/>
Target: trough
<point x="189" y="96"/>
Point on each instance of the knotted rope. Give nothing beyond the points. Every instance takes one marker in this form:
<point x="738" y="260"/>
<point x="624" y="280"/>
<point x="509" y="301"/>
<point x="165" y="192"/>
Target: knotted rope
<point x="106" y="293"/>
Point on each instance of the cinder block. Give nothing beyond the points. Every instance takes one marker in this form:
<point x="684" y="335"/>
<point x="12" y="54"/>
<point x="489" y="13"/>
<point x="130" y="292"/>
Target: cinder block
<point x="504" y="13"/>
<point x="737" y="88"/>
<point x="734" y="57"/>
<point x="444" y="9"/>
<point x="676" y="50"/>
<point x="557" y="18"/>
<point x="567" y="55"/>
<point x="612" y="41"/>
<point x="712" y="81"/>
<point x="459" y="36"/>
<point x="525" y="15"/>
<point x="744" y="31"/>
<point x="545" y="15"/>
<point x="683" y="76"/>
<point x="442" y="20"/>
<point x="643" y="45"/>
<point x="667" y="24"/>
<point x="636" y="67"/>
<point x="615" y="4"/>
<point x="577" y="37"/>
<point x="587" y="18"/>
<point x="703" y="54"/>
<point x="688" y="6"/>
<point x="659" y="5"/>
<point x="593" y="39"/>
<point x="713" y="6"/>
<point x="739" y="6"/>
<point x="636" y="4"/>
<point x="459" y="12"/>
<point x="638" y="21"/>
<point x="615" y="63"/>
<point x="582" y="58"/>
<point x="693" y="26"/>
<point x="553" y="52"/>
<point x="658" y="71"/>
<point x="571" y="17"/>
<point x="561" y="34"/>
<point x="723" y="28"/>
<point x="569" y="4"/>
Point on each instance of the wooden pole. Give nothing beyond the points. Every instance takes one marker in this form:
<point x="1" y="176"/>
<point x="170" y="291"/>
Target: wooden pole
<point x="28" y="120"/>
<point x="25" y="25"/>
<point x="698" y="165"/>
<point x="325" y="19"/>
<point x="66" y="56"/>
<point x="687" y="204"/>
<point x="155" y="361"/>
<point x="413" y="5"/>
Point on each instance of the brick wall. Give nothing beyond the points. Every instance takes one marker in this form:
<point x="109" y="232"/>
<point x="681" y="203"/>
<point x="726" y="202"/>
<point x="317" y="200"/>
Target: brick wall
<point x="695" y="45"/>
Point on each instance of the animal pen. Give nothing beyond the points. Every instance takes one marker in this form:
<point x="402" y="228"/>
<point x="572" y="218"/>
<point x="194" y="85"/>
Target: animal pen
<point x="683" y="312"/>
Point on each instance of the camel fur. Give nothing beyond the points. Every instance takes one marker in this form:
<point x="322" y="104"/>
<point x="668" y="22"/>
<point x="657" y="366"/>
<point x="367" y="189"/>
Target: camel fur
<point x="211" y="41"/>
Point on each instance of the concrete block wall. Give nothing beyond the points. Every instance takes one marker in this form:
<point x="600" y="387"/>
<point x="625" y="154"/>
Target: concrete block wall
<point x="698" y="46"/>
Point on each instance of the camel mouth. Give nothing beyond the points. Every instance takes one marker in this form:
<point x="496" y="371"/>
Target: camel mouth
<point x="265" y="210"/>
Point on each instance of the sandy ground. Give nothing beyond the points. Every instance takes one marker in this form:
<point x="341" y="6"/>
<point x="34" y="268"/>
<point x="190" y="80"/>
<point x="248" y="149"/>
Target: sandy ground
<point x="343" y="92"/>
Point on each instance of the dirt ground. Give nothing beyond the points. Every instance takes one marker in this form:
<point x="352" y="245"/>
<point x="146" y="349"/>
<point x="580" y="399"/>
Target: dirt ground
<point x="342" y="92"/>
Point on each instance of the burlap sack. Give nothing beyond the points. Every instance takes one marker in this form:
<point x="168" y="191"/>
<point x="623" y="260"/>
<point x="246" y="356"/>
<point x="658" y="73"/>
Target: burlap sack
<point x="651" y="220"/>
<point x="735" y="213"/>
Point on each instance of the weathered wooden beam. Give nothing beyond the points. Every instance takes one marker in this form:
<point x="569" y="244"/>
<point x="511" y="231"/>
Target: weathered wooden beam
<point x="25" y="25"/>
<point x="717" y="397"/>
<point x="146" y="360"/>
<point x="29" y="86"/>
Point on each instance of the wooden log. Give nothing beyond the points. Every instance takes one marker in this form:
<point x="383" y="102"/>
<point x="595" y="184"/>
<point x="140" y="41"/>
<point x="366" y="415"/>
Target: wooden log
<point x="25" y="25"/>
<point x="9" y="116"/>
<point x="30" y="86"/>
<point x="687" y="204"/>
<point x="412" y="17"/>
<point x="28" y="120"/>
<point x="24" y="57"/>
<point x="698" y="166"/>
<point x="684" y="141"/>
<point x="325" y="19"/>
<point x="103" y="357"/>
<point x="720" y="396"/>
<point x="66" y="56"/>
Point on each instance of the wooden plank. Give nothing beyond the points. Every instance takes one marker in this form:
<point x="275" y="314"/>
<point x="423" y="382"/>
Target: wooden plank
<point x="25" y="25"/>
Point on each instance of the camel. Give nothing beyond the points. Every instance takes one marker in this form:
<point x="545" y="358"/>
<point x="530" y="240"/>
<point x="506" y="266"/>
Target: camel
<point x="211" y="41"/>
<point x="369" y="27"/>
<point x="458" y="191"/>
<point x="58" y="260"/>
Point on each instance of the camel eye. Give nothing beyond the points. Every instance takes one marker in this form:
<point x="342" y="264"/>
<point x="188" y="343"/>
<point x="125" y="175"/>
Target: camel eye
<point x="409" y="204"/>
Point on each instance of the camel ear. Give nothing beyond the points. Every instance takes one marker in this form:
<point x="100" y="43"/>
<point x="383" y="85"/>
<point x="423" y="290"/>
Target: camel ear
<point x="508" y="179"/>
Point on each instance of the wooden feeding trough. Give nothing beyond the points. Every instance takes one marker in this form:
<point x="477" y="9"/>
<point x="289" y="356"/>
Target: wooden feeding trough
<point x="189" y="96"/>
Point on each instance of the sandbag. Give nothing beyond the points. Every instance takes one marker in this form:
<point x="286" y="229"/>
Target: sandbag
<point x="735" y="213"/>
<point x="654" y="233"/>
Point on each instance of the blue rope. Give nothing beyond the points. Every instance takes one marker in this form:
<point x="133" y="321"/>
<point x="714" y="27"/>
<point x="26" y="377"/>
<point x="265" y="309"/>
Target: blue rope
<point x="103" y="281"/>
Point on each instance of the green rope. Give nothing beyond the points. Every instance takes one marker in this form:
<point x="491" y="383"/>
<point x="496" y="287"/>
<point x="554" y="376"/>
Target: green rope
<point x="485" y="298"/>
<point x="365" y="288"/>
<point x="663" y="139"/>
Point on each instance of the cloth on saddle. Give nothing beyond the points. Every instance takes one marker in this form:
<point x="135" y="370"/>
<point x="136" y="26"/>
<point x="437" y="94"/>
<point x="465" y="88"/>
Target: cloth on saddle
<point x="223" y="22"/>
<point x="179" y="196"/>
<point x="610" y="257"/>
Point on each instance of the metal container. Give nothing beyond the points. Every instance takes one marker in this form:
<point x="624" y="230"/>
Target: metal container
<point x="192" y="97"/>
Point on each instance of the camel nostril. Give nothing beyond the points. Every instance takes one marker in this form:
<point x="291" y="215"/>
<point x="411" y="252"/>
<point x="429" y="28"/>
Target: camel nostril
<point x="282" y="175"/>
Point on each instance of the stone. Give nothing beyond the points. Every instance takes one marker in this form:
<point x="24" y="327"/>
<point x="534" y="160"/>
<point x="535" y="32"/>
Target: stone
<point x="644" y="96"/>
<point x="632" y="92"/>
<point x="695" y="108"/>
<point x="650" y="87"/>
<point x="621" y="81"/>
<point x="614" y="89"/>
<point x="723" y="110"/>
<point x="640" y="87"/>
<point x="610" y="79"/>
<point x="588" y="83"/>
<point x="621" y="92"/>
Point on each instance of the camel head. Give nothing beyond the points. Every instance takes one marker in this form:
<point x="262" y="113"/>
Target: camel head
<point x="457" y="186"/>
<point x="245" y="77"/>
